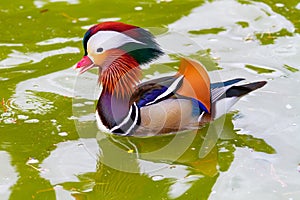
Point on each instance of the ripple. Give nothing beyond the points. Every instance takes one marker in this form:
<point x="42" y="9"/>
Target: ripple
<point x="31" y="121"/>
<point x="279" y="5"/>
<point x="17" y="58"/>
<point x="86" y="118"/>
<point x="63" y="134"/>
<point x="28" y="102"/>
<point x="11" y="45"/>
<point x="42" y="3"/>
<point x="4" y="79"/>
<point x="157" y="177"/>
<point x="9" y="121"/>
<point x="58" y="40"/>
<point x="260" y="70"/>
<point x="23" y="117"/>
<point x="32" y="161"/>
<point x="138" y="8"/>
<point x="109" y="19"/>
<point x="239" y="43"/>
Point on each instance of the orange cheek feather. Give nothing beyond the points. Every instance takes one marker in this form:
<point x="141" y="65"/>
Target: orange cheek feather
<point x="120" y="72"/>
<point x="99" y="58"/>
<point x="106" y="58"/>
<point x="196" y="83"/>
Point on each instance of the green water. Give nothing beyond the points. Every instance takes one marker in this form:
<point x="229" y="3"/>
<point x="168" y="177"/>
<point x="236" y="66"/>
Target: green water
<point x="50" y="147"/>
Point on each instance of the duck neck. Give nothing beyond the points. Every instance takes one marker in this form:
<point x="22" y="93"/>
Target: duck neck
<point x="118" y="81"/>
<point x="112" y="109"/>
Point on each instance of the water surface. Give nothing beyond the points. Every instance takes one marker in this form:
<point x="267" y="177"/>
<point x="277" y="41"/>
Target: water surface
<point x="50" y="147"/>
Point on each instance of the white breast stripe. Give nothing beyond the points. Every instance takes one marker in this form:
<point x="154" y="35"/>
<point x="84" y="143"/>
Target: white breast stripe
<point x="100" y="125"/>
<point x="125" y="120"/>
<point x="171" y="89"/>
<point x="200" y="116"/>
<point x="135" y="120"/>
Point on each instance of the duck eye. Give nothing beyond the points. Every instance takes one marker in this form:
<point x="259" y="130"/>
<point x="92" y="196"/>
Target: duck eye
<point x="99" y="50"/>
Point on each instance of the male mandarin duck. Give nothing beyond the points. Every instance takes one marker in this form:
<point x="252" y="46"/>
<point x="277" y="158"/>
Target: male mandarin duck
<point x="168" y="104"/>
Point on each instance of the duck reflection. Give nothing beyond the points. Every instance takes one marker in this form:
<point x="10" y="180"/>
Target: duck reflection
<point x="181" y="166"/>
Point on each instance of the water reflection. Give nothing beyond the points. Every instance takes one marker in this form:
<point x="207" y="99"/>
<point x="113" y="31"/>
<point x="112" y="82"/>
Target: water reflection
<point x="256" y="33"/>
<point x="251" y="34"/>
<point x="130" y="168"/>
<point x="17" y="58"/>
<point x="8" y="175"/>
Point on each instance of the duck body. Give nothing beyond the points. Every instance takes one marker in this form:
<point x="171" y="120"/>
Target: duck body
<point x="168" y="104"/>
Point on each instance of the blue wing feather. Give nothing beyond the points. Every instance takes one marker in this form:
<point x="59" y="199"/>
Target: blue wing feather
<point x="149" y="91"/>
<point x="150" y="96"/>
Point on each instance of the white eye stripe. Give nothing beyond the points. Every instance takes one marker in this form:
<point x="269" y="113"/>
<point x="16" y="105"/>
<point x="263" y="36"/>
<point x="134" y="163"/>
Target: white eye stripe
<point x="108" y="40"/>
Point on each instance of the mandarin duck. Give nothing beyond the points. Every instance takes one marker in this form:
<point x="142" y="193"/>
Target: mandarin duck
<point x="163" y="105"/>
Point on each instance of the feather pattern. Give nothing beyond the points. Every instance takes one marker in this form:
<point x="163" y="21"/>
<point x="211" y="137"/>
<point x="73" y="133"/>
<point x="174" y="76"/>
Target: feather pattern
<point x="129" y="123"/>
<point x="162" y="105"/>
<point x="148" y="95"/>
<point x="105" y="26"/>
<point x="150" y="90"/>
<point x="195" y="77"/>
<point x="220" y="88"/>
<point x="169" y="91"/>
<point x="121" y="76"/>
<point x="224" y="97"/>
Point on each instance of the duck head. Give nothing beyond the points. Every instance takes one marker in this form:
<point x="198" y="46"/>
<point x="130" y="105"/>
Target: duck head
<point x="118" y="50"/>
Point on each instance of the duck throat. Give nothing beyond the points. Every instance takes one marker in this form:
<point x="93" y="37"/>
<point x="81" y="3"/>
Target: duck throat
<point x="118" y="81"/>
<point x="112" y="110"/>
<point x="121" y="76"/>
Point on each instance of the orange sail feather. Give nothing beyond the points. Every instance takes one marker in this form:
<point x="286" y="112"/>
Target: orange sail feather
<point x="196" y="83"/>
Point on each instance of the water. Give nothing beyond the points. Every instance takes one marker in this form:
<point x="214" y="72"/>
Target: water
<point x="50" y="147"/>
